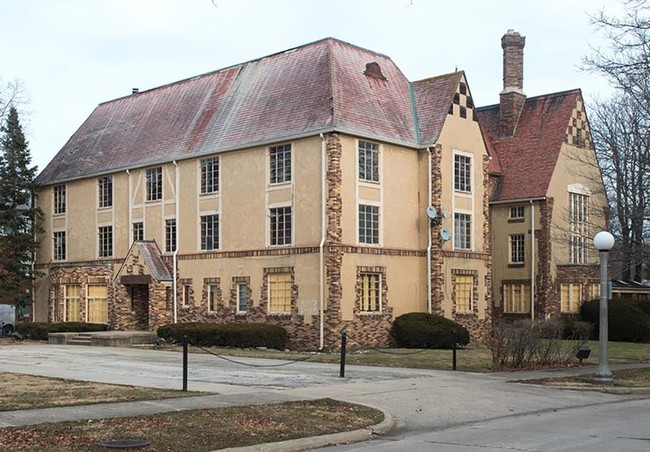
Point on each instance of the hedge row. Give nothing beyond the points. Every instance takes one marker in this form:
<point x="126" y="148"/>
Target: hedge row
<point x="423" y="330"/>
<point x="241" y="335"/>
<point x="39" y="331"/>
<point x="628" y="320"/>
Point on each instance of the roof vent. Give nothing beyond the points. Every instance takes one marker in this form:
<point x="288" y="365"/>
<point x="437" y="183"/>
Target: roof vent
<point x="374" y="70"/>
<point x="135" y="90"/>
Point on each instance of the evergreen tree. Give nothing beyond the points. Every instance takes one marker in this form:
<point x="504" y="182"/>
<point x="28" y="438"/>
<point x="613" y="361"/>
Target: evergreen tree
<point x="19" y="220"/>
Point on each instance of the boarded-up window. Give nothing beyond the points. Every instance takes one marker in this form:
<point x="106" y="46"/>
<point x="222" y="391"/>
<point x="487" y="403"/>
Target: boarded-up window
<point x="280" y="292"/>
<point x="463" y="288"/>
<point x="516" y="298"/>
<point x="97" y="304"/>
<point x="570" y="298"/>
<point x="72" y="303"/>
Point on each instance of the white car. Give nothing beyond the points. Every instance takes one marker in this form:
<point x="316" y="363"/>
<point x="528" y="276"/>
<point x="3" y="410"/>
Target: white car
<point x="7" y="319"/>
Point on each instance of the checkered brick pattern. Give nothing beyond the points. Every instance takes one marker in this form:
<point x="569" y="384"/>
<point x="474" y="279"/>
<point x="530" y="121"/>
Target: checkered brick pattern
<point x="578" y="133"/>
<point x="463" y="104"/>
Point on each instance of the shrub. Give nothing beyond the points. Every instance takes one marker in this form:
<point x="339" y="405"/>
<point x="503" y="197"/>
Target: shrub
<point x="627" y="320"/>
<point x="525" y="343"/>
<point x="423" y="330"/>
<point x="38" y="331"/>
<point x="241" y="335"/>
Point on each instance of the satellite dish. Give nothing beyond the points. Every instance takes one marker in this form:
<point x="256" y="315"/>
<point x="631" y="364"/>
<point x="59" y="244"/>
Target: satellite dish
<point x="443" y="213"/>
<point x="445" y="235"/>
<point x="431" y="212"/>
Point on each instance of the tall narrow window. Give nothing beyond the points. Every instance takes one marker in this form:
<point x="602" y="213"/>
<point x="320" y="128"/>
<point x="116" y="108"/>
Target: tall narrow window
<point x="280" y="225"/>
<point x="59" y="245"/>
<point x="463" y="292"/>
<point x="462" y="173"/>
<point x="579" y="226"/>
<point x="370" y="299"/>
<point x="516" y="298"/>
<point x="59" y="199"/>
<point x="170" y="235"/>
<point x="212" y="297"/>
<point x="462" y="231"/>
<point x="368" y="224"/>
<point x="97" y="304"/>
<point x="570" y="298"/>
<point x="517" y="244"/>
<point x="280" y="164"/>
<point x="209" y="175"/>
<point x="105" y="191"/>
<point x="280" y="292"/>
<point x="154" y="184"/>
<point x="242" y="297"/>
<point x="368" y="161"/>
<point x="187" y="294"/>
<point x="209" y="232"/>
<point x="105" y="241"/>
<point x="138" y="231"/>
<point x="72" y="302"/>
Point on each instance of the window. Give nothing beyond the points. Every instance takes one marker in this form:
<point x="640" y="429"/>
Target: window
<point x="462" y="173"/>
<point x="280" y="164"/>
<point x="59" y="245"/>
<point x="370" y="299"/>
<point x="462" y="231"/>
<point x="209" y="175"/>
<point x="463" y="291"/>
<point x="368" y="161"/>
<point x="594" y="291"/>
<point x="187" y="294"/>
<point x="570" y="298"/>
<point x="105" y="187"/>
<point x="280" y="229"/>
<point x="154" y="184"/>
<point x="170" y="235"/>
<point x="105" y="241"/>
<point x="138" y="231"/>
<point x="368" y="224"/>
<point x="516" y="298"/>
<point x="209" y="232"/>
<point x="59" y="199"/>
<point x="280" y="291"/>
<point x="517" y="212"/>
<point x="212" y="297"/>
<point x="578" y="217"/>
<point x="242" y="297"/>
<point x="97" y="304"/>
<point x="517" y="249"/>
<point x="72" y="303"/>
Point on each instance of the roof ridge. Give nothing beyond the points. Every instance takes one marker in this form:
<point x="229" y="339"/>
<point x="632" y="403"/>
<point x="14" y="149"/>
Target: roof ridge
<point x="438" y="77"/>
<point x="540" y="96"/>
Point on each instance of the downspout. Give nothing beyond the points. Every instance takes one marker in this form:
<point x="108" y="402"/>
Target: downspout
<point x="532" y="260"/>
<point x="128" y="206"/>
<point x="175" y="258"/>
<point x="321" y="245"/>
<point x="429" y="233"/>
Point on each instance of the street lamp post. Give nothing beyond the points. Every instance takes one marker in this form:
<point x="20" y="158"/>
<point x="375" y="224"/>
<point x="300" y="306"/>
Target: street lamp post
<point x="603" y="241"/>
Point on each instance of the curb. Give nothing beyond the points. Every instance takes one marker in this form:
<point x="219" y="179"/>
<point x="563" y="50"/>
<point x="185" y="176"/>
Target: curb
<point x="355" y="436"/>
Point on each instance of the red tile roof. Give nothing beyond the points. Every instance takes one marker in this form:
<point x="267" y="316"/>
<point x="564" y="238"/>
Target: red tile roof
<point x="303" y="91"/>
<point x="528" y="159"/>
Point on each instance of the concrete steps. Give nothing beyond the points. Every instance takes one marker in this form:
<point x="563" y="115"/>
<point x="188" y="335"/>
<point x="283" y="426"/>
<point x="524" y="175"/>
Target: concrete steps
<point x="80" y="339"/>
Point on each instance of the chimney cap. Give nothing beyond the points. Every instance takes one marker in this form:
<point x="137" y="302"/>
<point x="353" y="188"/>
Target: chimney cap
<point x="135" y="90"/>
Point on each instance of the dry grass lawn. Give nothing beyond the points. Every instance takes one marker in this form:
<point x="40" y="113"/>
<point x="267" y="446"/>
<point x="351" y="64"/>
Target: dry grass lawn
<point x="628" y="380"/>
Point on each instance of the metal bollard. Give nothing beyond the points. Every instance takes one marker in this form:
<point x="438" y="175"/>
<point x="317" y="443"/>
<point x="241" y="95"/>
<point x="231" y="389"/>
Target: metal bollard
<point x="454" y="342"/>
<point x="344" y="342"/>
<point x="185" y="343"/>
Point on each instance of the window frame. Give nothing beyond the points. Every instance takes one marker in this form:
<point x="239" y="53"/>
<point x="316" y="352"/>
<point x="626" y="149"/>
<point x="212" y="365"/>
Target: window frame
<point x="59" y="199"/>
<point x="67" y="298"/>
<point x="186" y="295"/>
<point x="105" y="241"/>
<point x="59" y="250"/>
<point x="370" y="296"/>
<point x="463" y="173"/>
<point x="523" y="303"/>
<point x="567" y="303"/>
<point x="238" y="299"/>
<point x="280" y="230"/>
<point x="516" y="213"/>
<point x="171" y="235"/>
<point x="139" y="230"/>
<point x="369" y="224"/>
<point x="154" y="184"/>
<point x="210" y="175"/>
<point x="464" y="238"/>
<point x="280" y="164"/>
<point x="368" y="155"/>
<point x="213" y="299"/>
<point x="517" y="249"/>
<point x="461" y="283"/>
<point x="102" y="299"/>
<point x="215" y="220"/>
<point x="105" y="192"/>
<point x="579" y="240"/>
<point x="279" y="305"/>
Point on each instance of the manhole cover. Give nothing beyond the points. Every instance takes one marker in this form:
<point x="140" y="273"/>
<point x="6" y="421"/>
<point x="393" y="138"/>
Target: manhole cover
<point x="124" y="443"/>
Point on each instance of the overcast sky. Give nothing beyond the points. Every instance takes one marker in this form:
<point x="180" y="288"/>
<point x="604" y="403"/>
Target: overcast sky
<point x="73" y="54"/>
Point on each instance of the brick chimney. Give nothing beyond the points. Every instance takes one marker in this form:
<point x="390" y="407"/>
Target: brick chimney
<point x="512" y="97"/>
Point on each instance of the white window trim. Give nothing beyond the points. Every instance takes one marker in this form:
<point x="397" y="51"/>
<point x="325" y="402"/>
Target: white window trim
<point x="99" y="193"/>
<point x="268" y="224"/>
<point x="471" y="229"/>
<point x="510" y="260"/>
<point x="237" y="300"/>
<point x="65" y="250"/>
<point x="462" y="194"/>
<point x="523" y="212"/>
<point x="198" y="231"/>
<point x="380" y="163"/>
<point x="198" y="178"/>
<point x="97" y="245"/>
<point x="267" y="165"/>
<point x="162" y="185"/>
<point x="380" y="235"/>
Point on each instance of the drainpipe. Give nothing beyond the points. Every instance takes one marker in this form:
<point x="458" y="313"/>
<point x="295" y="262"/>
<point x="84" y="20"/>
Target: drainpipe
<point x="175" y="259"/>
<point x="429" y="240"/>
<point x="128" y="206"/>
<point x="532" y="260"/>
<point x="321" y="245"/>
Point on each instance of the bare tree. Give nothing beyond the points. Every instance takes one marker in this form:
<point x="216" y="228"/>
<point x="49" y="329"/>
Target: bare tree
<point x="11" y="94"/>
